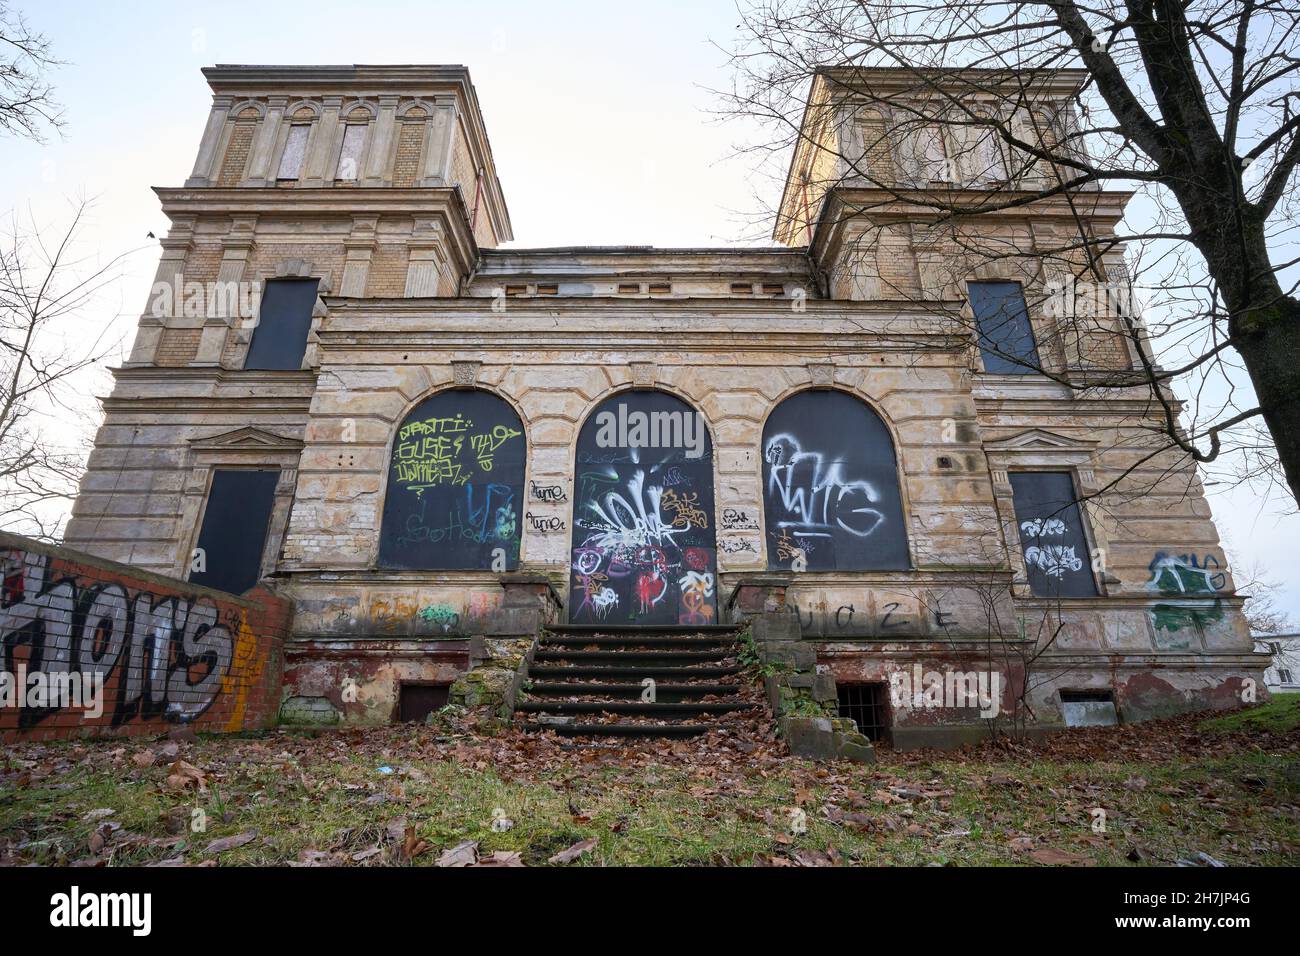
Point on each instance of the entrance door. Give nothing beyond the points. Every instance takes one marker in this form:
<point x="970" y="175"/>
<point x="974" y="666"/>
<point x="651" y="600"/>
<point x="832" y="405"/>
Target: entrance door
<point x="643" y="550"/>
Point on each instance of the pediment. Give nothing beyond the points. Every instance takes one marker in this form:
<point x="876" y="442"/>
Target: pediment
<point x="247" y="438"/>
<point x="1040" y="439"/>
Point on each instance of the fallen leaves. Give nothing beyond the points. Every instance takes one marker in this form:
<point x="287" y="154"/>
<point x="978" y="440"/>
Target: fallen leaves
<point x="573" y="852"/>
<point x="226" y="844"/>
<point x="182" y="775"/>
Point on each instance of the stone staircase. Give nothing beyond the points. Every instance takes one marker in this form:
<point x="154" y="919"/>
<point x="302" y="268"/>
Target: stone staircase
<point x="588" y="681"/>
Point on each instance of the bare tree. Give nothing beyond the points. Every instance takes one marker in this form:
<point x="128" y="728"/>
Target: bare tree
<point x="1261" y="590"/>
<point x="44" y="351"/>
<point x="27" y="103"/>
<point x="967" y="114"/>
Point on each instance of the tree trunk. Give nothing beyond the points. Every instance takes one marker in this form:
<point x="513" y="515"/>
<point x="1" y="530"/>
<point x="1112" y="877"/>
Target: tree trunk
<point x="1268" y="340"/>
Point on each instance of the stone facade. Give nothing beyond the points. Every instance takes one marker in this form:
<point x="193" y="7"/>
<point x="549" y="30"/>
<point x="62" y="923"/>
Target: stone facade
<point x="414" y="300"/>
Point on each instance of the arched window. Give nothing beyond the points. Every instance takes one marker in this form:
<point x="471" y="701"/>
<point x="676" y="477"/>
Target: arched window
<point x="455" y="484"/>
<point x="830" y="487"/>
<point x="643" y="527"/>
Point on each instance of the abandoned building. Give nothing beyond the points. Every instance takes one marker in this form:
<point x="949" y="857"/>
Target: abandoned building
<point x="344" y="387"/>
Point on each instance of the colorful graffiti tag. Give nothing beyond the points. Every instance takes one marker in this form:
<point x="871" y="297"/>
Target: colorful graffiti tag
<point x="1186" y="576"/>
<point x="643" y="547"/>
<point x="455" y="485"/>
<point x="830" y="487"/>
<point x="161" y="657"/>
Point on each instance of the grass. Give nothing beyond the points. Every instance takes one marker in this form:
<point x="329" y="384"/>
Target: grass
<point x="662" y="808"/>
<point x="1280" y="715"/>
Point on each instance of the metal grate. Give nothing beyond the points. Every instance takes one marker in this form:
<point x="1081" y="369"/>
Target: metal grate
<point x="868" y="706"/>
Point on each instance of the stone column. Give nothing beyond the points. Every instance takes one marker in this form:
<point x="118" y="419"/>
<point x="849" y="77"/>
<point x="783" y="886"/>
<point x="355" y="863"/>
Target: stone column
<point x="383" y="142"/>
<point x="427" y="257"/>
<point x="438" y="145"/>
<point x="231" y="292"/>
<point x="167" y="295"/>
<point x="323" y="145"/>
<point x="259" y="167"/>
<point x="205" y="165"/>
<point x="360" y="246"/>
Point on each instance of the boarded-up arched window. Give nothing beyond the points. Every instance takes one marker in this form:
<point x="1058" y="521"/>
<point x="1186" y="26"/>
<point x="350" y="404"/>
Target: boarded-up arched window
<point x="830" y="487"/>
<point x="455" y="484"/>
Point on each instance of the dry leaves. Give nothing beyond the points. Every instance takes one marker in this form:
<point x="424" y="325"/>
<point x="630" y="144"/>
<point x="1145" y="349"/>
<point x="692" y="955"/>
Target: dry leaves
<point x="573" y="852"/>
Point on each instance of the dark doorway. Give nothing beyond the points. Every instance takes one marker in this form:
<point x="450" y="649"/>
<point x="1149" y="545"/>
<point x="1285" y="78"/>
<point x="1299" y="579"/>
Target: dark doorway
<point x="415" y="702"/>
<point x="643" y="537"/>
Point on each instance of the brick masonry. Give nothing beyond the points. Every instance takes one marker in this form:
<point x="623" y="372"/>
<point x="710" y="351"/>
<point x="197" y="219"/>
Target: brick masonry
<point x="169" y="653"/>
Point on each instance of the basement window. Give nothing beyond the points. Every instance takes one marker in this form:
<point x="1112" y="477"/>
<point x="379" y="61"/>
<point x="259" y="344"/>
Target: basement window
<point x="629" y="288"/>
<point x="742" y="288"/>
<point x="415" y="702"/>
<point x="773" y="288"/>
<point x="516" y="290"/>
<point x="548" y="289"/>
<point x="1089" y="708"/>
<point x="867" y="705"/>
<point x="660" y="288"/>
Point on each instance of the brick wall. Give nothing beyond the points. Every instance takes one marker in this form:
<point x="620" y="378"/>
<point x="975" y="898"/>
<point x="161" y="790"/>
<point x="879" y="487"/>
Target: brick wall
<point x="167" y="652"/>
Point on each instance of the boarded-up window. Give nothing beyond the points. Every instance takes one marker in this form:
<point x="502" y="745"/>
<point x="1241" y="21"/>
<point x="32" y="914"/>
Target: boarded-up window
<point x="354" y="141"/>
<point x="280" y="338"/>
<point x="233" y="534"/>
<point x="295" y="148"/>
<point x="644" y="551"/>
<point x="1006" y="336"/>
<point x="455" y="486"/>
<point x="1051" y="534"/>
<point x="830" y="487"/>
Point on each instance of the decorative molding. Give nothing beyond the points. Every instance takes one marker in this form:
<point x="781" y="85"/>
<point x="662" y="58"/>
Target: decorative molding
<point x="465" y="371"/>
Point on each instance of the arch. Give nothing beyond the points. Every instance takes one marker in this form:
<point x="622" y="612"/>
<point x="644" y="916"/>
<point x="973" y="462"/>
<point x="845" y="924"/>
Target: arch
<point x="831" y="497"/>
<point x="294" y="108"/>
<point x="455" y="485"/>
<point x="642" y="547"/>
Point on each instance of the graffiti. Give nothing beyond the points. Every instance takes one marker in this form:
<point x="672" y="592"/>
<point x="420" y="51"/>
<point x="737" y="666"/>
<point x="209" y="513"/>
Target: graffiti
<point x="1186" y="576"/>
<point x="171" y="656"/>
<point x="1052" y="541"/>
<point x="696" y="590"/>
<point x="830" y="486"/>
<point x="455" y="485"/>
<point x="738" y="546"/>
<point x="642" y="543"/>
<point x="544" y="523"/>
<point x="735" y="520"/>
<point x="551" y="494"/>
<point x="1043" y="527"/>
<point x="440" y="615"/>
<point x="685" y="514"/>
<point x="889" y="619"/>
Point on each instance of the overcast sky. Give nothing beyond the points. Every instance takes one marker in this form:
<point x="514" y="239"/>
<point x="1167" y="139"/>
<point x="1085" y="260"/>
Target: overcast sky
<point x="598" y="115"/>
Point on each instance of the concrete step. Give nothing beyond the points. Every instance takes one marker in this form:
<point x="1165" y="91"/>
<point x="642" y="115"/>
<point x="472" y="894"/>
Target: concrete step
<point x="658" y="672"/>
<point x="624" y="728"/>
<point x="663" y="708"/>
<point x="630" y="689"/>
<point x="631" y="656"/>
